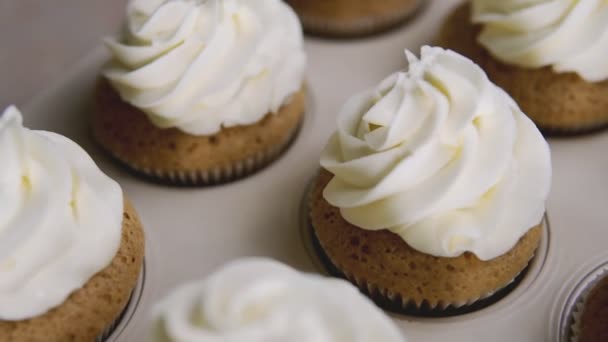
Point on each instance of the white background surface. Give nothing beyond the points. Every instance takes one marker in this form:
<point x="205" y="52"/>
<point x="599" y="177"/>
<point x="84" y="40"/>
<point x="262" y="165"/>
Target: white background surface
<point x="190" y="232"/>
<point x="41" y="39"/>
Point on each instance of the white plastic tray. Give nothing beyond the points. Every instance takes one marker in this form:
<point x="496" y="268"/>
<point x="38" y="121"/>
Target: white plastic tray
<point x="191" y="232"/>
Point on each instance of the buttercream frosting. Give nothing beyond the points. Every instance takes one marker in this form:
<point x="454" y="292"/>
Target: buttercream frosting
<point x="440" y="156"/>
<point x="569" y="35"/>
<point x="60" y="219"/>
<point x="202" y="65"/>
<point x="261" y="300"/>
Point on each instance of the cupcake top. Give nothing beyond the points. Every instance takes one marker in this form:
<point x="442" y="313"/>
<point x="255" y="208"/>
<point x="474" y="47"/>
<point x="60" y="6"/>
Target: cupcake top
<point x="261" y="300"/>
<point x="202" y="65"/>
<point x="569" y="35"/>
<point x="60" y="219"/>
<point x="440" y="156"/>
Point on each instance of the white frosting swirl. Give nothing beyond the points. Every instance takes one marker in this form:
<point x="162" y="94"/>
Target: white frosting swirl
<point x="261" y="300"/>
<point x="440" y="156"/>
<point x="570" y="35"/>
<point x="60" y="219"/>
<point x="200" y="65"/>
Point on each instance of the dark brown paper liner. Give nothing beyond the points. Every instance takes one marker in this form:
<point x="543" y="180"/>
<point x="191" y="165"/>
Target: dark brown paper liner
<point x="359" y="27"/>
<point x="394" y="302"/>
<point x="571" y="131"/>
<point x="214" y="176"/>
<point x="128" y="311"/>
<point x="578" y="298"/>
<point x="398" y="304"/>
<point x="110" y="329"/>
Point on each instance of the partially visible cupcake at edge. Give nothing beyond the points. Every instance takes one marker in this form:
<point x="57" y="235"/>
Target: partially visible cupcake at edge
<point x="71" y="244"/>
<point x="261" y="300"/>
<point x="351" y="18"/>
<point x="433" y="187"/>
<point x="202" y="92"/>
<point x="591" y="316"/>
<point x="549" y="55"/>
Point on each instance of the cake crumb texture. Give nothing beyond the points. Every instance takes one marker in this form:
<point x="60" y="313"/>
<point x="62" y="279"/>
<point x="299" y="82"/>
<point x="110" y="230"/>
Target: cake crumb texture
<point x="127" y="134"/>
<point x="382" y="260"/>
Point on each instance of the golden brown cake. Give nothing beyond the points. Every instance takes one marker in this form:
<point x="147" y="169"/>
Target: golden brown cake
<point x="173" y="156"/>
<point x="383" y="265"/>
<point x="559" y="103"/>
<point x="347" y="18"/>
<point x="202" y="104"/>
<point x="93" y="308"/>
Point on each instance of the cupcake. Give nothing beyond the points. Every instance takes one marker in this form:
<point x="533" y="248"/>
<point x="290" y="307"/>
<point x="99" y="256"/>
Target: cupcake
<point x="584" y="316"/>
<point x="433" y="187"/>
<point x="202" y="92"/>
<point x="548" y="55"/>
<point x="71" y="246"/>
<point x="259" y="300"/>
<point x="349" y="18"/>
<point x="592" y="324"/>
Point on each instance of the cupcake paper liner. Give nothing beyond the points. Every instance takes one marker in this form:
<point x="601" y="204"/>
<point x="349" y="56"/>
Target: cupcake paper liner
<point x="386" y="299"/>
<point x="398" y="304"/>
<point x="359" y="27"/>
<point x="571" y="131"/>
<point x="216" y="175"/>
<point x="110" y="329"/>
<point x="128" y="311"/>
<point x="573" y="311"/>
